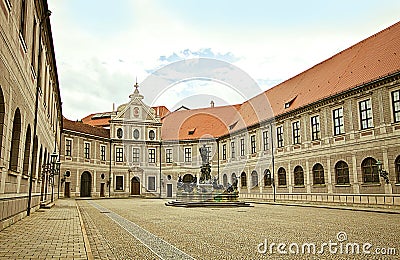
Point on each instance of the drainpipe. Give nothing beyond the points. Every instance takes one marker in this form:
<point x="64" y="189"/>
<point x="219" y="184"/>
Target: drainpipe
<point x="218" y="159"/>
<point x="109" y="174"/>
<point x="273" y="162"/>
<point x="160" y="168"/>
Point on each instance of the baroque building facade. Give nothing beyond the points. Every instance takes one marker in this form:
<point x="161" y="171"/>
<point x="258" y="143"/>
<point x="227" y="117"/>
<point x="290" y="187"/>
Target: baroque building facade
<point x="30" y="108"/>
<point x="326" y="135"/>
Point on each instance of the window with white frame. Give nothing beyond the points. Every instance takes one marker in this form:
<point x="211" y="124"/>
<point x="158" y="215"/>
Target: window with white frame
<point x="233" y="149"/>
<point x="242" y="147"/>
<point x="168" y="155"/>
<point x="87" y="150"/>
<point x="119" y="154"/>
<point x="338" y="121"/>
<point x="265" y="140"/>
<point x="188" y="154"/>
<point x="365" y="114"/>
<point x="135" y="154"/>
<point x="102" y="152"/>
<point x="224" y="152"/>
<point x="68" y="147"/>
<point x="315" y="128"/>
<point x="152" y="155"/>
<point x="279" y="136"/>
<point x="396" y="105"/>
<point x="253" y="144"/>
<point x="296" y="132"/>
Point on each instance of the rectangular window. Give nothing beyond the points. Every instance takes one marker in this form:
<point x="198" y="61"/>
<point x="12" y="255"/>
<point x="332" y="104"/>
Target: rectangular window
<point x="135" y="155"/>
<point x="152" y="155"/>
<point x="119" y="182"/>
<point x="338" y="125"/>
<point x="265" y="140"/>
<point x="279" y="136"/>
<point x="315" y="128"/>
<point x="87" y="151"/>
<point x="224" y="152"/>
<point x="33" y="51"/>
<point x="365" y="114"/>
<point x="242" y="147"/>
<point x="296" y="132"/>
<point x="188" y="154"/>
<point x="119" y="154"/>
<point x="103" y="152"/>
<point x="68" y="147"/>
<point x="233" y="149"/>
<point x="151" y="183"/>
<point x="168" y="155"/>
<point x="396" y="105"/>
<point x="22" y="26"/>
<point x="253" y="144"/>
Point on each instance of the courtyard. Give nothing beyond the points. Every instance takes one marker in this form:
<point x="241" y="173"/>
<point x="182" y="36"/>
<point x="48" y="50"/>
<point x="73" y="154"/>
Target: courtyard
<point x="147" y="229"/>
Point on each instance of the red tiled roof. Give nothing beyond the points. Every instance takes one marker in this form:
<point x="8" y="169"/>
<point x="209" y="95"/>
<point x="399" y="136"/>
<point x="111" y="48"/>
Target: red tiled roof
<point x="81" y="127"/>
<point x="100" y="122"/>
<point x="206" y="123"/>
<point x="370" y="59"/>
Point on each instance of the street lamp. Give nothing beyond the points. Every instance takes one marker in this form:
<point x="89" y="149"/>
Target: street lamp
<point x="382" y="173"/>
<point x="53" y="171"/>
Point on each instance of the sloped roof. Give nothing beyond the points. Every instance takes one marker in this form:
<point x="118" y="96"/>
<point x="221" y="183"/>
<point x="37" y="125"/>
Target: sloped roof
<point x="81" y="127"/>
<point x="204" y="123"/>
<point x="98" y="119"/>
<point x="370" y="59"/>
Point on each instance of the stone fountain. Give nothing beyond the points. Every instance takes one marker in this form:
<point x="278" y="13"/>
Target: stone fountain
<point x="206" y="191"/>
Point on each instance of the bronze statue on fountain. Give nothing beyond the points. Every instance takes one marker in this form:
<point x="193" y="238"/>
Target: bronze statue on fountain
<point x="205" y="168"/>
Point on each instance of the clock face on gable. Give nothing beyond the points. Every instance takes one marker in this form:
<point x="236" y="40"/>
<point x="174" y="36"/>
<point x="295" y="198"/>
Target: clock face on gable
<point x="136" y="112"/>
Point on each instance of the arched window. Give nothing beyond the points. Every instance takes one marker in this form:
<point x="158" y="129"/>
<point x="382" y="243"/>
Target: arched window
<point x="27" y="151"/>
<point x="254" y="179"/>
<point x="298" y="176"/>
<point x="397" y="166"/>
<point x="243" y="179"/>
<point x="233" y="177"/>
<point x="342" y="173"/>
<point x="225" y="180"/>
<point x="318" y="174"/>
<point x="370" y="170"/>
<point x="15" y="141"/>
<point x="281" y="177"/>
<point x="267" y="178"/>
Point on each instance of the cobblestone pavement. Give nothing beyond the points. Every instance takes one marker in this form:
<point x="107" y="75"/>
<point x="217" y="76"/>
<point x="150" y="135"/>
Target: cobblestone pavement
<point x="237" y="233"/>
<point x="46" y="234"/>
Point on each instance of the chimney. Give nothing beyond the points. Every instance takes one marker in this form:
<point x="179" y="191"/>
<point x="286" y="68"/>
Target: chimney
<point x="212" y="103"/>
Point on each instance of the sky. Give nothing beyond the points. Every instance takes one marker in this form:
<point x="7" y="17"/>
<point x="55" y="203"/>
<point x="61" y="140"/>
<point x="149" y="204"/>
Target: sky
<point x="102" y="49"/>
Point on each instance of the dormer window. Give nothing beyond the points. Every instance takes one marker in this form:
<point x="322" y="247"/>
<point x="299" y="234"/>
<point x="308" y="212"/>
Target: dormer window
<point x="290" y="102"/>
<point x="233" y="125"/>
<point x="191" y="131"/>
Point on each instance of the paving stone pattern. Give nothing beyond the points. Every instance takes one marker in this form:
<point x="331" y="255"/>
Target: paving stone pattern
<point x="235" y="233"/>
<point x="46" y="234"/>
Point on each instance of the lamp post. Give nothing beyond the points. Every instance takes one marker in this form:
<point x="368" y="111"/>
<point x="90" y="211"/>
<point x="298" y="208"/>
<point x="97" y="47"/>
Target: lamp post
<point x="53" y="172"/>
<point x="382" y="173"/>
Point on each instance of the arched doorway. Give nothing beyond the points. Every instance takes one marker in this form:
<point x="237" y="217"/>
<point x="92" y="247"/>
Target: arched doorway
<point x="135" y="186"/>
<point x="2" y="113"/>
<point x="86" y="184"/>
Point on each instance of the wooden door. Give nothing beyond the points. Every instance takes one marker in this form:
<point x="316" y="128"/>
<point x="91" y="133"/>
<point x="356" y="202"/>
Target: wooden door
<point x="67" y="190"/>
